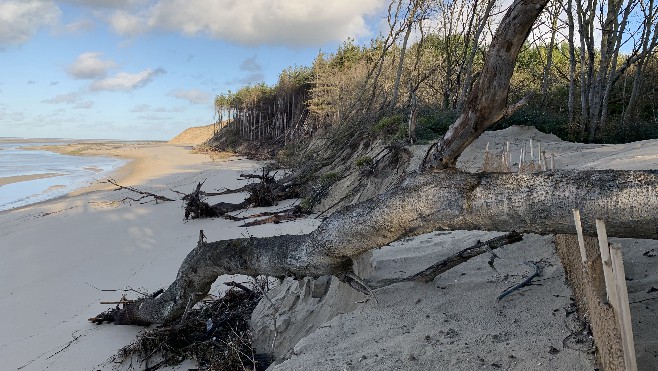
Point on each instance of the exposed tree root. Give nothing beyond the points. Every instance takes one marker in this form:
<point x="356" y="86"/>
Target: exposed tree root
<point x="215" y="334"/>
<point x="267" y="192"/>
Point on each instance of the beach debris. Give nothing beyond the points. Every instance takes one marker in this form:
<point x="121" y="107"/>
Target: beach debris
<point x="145" y="195"/>
<point x="215" y="334"/>
<point x="267" y="192"/>
<point x="524" y="283"/>
<point x="478" y="248"/>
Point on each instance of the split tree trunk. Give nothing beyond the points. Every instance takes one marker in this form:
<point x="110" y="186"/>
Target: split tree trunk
<point x="447" y="200"/>
<point x="487" y="103"/>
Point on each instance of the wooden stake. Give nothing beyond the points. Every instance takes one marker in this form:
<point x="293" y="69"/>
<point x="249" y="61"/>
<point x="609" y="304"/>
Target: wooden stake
<point x="552" y="162"/>
<point x="608" y="274"/>
<point x="579" y="230"/>
<point x="624" y="312"/>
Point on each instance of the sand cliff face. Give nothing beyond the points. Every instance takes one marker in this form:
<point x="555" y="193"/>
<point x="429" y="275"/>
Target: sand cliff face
<point x="195" y="135"/>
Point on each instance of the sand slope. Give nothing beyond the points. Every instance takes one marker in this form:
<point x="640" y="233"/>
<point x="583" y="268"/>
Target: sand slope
<point x="455" y="322"/>
<point x="194" y="135"/>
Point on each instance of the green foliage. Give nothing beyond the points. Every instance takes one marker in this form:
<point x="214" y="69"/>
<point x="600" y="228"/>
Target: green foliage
<point x="389" y="124"/>
<point x="345" y="96"/>
<point x="432" y="125"/>
<point x="363" y="161"/>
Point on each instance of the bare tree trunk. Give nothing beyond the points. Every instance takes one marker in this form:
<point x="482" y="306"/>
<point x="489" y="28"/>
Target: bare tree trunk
<point x="546" y="75"/>
<point x="468" y="79"/>
<point x="572" y="63"/>
<point x="403" y="51"/>
<point x="487" y="102"/>
<point x="446" y="200"/>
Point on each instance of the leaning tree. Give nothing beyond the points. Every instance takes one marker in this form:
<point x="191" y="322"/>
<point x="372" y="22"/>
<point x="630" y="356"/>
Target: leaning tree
<point x="436" y="197"/>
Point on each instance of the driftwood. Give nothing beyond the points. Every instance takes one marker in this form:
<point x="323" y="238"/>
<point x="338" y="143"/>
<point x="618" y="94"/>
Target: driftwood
<point x="145" y="195"/>
<point x="524" y="283"/>
<point x="479" y="248"/>
<point x="196" y="207"/>
<point x="267" y="192"/>
<point x="216" y="335"/>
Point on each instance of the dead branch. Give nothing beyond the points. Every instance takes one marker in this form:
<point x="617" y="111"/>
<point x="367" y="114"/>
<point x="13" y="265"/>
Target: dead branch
<point x="465" y="255"/>
<point x="524" y="283"/>
<point x="429" y="274"/>
<point x="157" y="198"/>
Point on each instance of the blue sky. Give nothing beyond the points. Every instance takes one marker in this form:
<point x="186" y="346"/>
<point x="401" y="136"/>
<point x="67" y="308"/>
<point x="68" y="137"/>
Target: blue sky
<point x="148" y="69"/>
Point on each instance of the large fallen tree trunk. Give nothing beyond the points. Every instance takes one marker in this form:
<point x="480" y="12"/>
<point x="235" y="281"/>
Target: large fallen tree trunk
<point x="447" y="200"/>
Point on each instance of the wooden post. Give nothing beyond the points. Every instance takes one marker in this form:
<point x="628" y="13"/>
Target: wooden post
<point x="579" y="230"/>
<point x="608" y="274"/>
<point x="624" y="311"/>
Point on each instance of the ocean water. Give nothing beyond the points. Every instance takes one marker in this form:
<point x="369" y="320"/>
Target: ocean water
<point x="57" y="174"/>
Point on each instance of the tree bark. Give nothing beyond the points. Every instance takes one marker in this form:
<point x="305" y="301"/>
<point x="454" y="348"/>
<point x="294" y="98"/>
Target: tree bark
<point x="446" y="200"/>
<point x="487" y="102"/>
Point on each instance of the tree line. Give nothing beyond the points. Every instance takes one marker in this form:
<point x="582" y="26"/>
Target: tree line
<point x="588" y="72"/>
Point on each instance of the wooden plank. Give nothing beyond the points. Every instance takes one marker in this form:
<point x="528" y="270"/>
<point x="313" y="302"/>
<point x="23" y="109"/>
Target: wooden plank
<point x="604" y="247"/>
<point x="579" y="230"/>
<point x="624" y="312"/>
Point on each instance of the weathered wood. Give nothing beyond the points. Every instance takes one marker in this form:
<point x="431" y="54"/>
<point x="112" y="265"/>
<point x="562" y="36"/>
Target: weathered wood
<point x="623" y="310"/>
<point x="427" y="275"/>
<point x="579" y="232"/>
<point x="608" y="275"/>
<point x="446" y="200"/>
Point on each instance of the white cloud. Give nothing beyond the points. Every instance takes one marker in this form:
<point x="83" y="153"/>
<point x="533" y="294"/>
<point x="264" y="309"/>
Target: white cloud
<point x="125" y="81"/>
<point x="69" y="98"/>
<point x="21" y="19"/>
<point x="104" y="4"/>
<point x="148" y="108"/>
<point x="254" y="72"/>
<point x="90" y="66"/>
<point x="126" y="23"/>
<point x="76" y="27"/>
<point x="194" y="96"/>
<point x="141" y="108"/>
<point x="84" y="105"/>
<point x="289" y="22"/>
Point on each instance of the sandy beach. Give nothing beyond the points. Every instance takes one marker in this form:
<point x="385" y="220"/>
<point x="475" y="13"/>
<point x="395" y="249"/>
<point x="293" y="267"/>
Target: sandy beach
<point x="59" y="256"/>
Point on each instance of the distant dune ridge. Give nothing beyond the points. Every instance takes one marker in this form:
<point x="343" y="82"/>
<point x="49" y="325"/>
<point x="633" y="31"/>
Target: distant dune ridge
<point x="194" y="135"/>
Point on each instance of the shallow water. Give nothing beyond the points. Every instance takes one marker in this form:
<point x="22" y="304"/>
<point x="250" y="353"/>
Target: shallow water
<point x="56" y="174"/>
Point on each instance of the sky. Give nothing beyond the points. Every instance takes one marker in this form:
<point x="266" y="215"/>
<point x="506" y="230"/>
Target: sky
<point x="148" y="69"/>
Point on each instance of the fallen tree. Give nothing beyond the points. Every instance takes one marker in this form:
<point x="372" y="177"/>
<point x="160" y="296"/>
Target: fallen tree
<point x="268" y="191"/>
<point x="430" y="200"/>
<point x="446" y="200"/>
